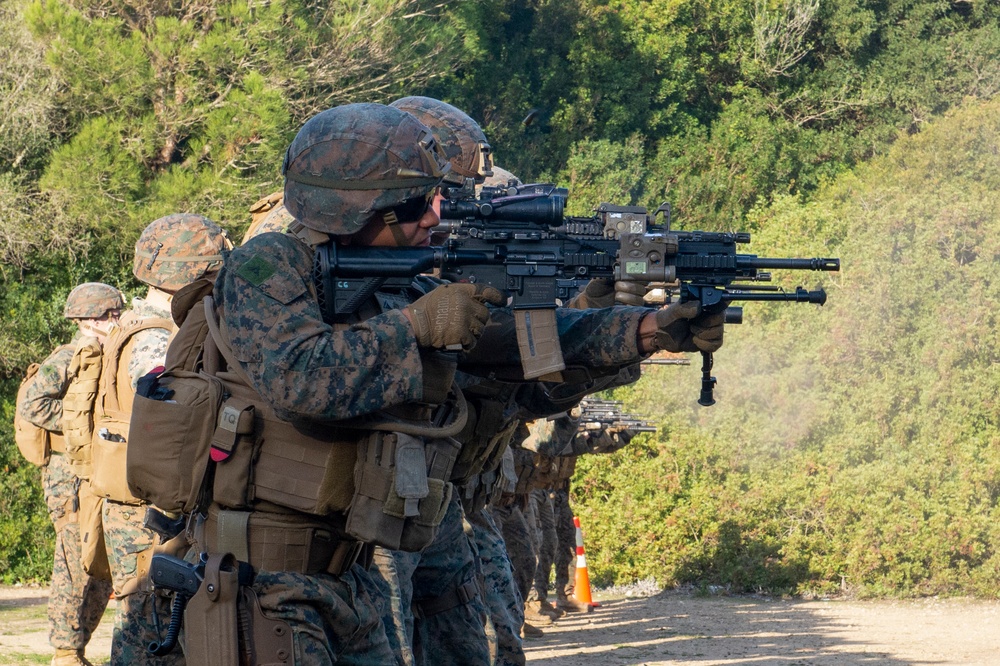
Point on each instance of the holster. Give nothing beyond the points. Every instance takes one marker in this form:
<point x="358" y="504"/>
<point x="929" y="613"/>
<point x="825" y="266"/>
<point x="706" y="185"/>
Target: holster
<point x="271" y="641"/>
<point x="211" y="627"/>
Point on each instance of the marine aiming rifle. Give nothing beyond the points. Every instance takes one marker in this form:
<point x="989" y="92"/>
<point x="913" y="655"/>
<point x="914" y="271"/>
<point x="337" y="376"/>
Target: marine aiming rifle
<point x="517" y="239"/>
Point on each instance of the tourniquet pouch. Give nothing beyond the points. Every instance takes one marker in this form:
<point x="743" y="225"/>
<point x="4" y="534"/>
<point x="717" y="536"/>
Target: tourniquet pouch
<point x="93" y="552"/>
<point x="401" y="489"/>
<point x="211" y="627"/>
<point x="302" y="466"/>
<point x="172" y="431"/>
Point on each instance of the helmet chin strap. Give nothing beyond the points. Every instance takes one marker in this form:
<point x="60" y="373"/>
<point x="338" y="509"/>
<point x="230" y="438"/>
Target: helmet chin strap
<point x="392" y="223"/>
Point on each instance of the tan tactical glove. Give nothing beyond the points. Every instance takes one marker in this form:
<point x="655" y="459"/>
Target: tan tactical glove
<point x="682" y="327"/>
<point x="605" y="293"/>
<point x="630" y="293"/>
<point x="452" y="316"/>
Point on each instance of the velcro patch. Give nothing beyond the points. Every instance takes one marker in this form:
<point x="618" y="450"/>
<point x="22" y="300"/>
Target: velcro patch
<point x="256" y="271"/>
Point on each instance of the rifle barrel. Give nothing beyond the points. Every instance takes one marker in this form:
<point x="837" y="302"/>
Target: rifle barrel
<point x="815" y="264"/>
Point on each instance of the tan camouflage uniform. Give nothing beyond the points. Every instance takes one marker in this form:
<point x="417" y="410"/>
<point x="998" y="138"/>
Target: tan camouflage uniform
<point x="76" y="600"/>
<point x="124" y="533"/>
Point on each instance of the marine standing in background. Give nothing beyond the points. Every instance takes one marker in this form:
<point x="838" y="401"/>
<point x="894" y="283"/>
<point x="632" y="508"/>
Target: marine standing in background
<point x="171" y="252"/>
<point x="557" y="445"/>
<point x="76" y="599"/>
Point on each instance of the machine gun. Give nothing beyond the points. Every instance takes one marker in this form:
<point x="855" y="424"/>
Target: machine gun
<point x="605" y="414"/>
<point x="517" y="239"/>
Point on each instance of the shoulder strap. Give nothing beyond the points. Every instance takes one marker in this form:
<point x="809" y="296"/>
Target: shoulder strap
<point x="112" y="356"/>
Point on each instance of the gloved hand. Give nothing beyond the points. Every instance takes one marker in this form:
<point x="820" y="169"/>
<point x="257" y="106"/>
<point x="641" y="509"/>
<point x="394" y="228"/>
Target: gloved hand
<point x="605" y="293"/>
<point x="630" y="293"/>
<point x="682" y="327"/>
<point x="452" y="316"/>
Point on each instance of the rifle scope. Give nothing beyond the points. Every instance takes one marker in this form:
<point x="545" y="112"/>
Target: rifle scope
<point x="538" y="204"/>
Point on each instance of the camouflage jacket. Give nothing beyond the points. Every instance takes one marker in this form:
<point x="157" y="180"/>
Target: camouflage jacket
<point x="149" y="347"/>
<point x="43" y="395"/>
<point x="270" y="315"/>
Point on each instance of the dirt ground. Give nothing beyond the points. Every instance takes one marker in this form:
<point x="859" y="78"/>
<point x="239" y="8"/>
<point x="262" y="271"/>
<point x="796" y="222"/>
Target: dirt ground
<point x="679" y="628"/>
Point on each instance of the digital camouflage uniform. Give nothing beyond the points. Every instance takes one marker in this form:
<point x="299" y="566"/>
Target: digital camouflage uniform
<point x="452" y="635"/>
<point x="76" y="600"/>
<point x="305" y="370"/>
<point x="545" y="537"/>
<point x="502" y="599"/>
<point x="561" y="444"/>
<point x="124" y="533"/>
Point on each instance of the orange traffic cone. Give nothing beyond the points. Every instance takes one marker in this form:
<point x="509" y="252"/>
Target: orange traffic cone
<point x="582" y="588"/>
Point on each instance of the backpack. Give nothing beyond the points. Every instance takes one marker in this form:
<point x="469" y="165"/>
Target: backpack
<point x="35" y="444"/>
<point x="113" y="408"/>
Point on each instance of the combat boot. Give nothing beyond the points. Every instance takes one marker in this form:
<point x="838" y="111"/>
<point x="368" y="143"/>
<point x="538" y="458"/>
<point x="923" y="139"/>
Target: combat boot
<point x="533" y="614"/>
<point x="528" y="631"/>
<point x="571" y="604"/>
<point x="547" y="608"/>
<point x="70" y="658"/>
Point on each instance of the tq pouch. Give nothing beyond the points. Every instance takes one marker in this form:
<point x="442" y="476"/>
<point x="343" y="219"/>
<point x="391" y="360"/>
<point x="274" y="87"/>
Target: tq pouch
<point x="401" y="489"/>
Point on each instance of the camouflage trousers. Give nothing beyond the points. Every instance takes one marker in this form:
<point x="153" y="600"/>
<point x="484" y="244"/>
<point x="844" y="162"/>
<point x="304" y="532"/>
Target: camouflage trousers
<point x="398" y="624"/>
<point x="545" y="538"/>
<point x="443" y="627"/>
<point x="334" y="619"/>
<point x="141" y="617"/>
<point x="503" y="602"/>
<point x="76" y="600"/>
<point x="520" y="545"/>
<point x="565" y="557"/>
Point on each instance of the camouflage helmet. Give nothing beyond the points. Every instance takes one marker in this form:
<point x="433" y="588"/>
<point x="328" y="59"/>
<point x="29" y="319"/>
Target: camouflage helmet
<point x="176" y="250"/>
<point x="348" y="162"/>
<point x="277" y="220"/>
<point x="92" y="300"/>
<point x="501" y="178"/>
<point x="460" y="138"/>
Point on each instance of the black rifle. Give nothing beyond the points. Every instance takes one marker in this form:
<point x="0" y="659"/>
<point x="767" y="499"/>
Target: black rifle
<point x="599" y="414"/>
<point x="518" y="240"/>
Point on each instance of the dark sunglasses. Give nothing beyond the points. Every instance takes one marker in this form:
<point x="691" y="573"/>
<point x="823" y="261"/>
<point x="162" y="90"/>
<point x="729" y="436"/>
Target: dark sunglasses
<point x="413" y="209"/>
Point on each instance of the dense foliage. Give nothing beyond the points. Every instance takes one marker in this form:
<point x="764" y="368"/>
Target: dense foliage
<point x="853" y="445"/>
<point x="758" y="115"/>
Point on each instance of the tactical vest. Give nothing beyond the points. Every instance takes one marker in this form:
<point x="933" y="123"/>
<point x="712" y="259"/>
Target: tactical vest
<point x="279" y="490"/>
<point x="78" y="406"/>
<point x="113" y="408"/>
<point x="554" y="472"/>
<point x="35" y="444"/>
